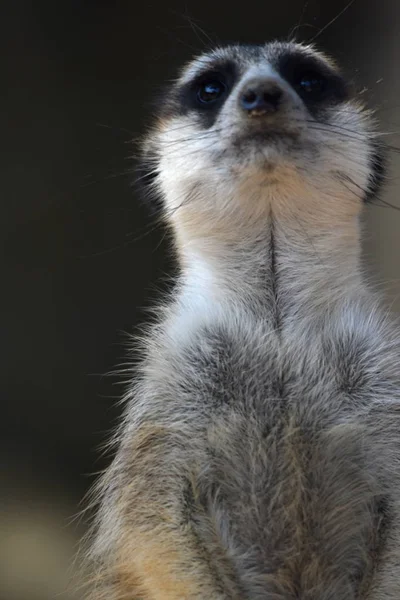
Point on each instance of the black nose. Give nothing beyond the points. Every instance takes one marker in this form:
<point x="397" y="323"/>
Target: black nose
<point x="261" y="97"/>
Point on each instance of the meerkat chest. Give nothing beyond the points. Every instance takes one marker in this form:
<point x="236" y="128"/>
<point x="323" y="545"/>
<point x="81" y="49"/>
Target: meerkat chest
<point x="244" y="363"/>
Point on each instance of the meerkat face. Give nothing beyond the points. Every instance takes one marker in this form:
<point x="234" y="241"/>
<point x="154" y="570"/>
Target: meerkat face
<point x="249" y="129"/>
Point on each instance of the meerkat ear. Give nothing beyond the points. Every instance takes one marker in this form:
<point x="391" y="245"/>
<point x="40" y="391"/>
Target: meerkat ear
<point x="378" y="161"/>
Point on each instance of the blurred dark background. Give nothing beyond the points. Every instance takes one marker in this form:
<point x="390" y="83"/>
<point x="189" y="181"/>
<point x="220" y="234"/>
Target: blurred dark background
<point x="81" y="258"/>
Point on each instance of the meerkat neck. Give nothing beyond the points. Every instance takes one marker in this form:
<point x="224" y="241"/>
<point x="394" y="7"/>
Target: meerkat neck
<point x="293" y="266"/>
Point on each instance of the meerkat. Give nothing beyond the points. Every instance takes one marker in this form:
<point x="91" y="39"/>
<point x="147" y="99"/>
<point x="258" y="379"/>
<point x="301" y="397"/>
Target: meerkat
<point x="259" y="453"/>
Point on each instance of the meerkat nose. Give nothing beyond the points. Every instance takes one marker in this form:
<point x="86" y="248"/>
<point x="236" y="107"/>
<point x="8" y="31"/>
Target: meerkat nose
<point x="260" y="96"/>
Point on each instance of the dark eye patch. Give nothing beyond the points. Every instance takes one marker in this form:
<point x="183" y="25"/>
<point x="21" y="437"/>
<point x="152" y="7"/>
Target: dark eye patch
<point x="211" y="83"/>
<point x="315" y="82"/>
<point x="211" y="91"/>
<point x="207" y="92"/>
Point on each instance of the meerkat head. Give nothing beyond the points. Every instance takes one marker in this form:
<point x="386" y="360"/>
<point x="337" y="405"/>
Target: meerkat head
<point x="247" y="132"/>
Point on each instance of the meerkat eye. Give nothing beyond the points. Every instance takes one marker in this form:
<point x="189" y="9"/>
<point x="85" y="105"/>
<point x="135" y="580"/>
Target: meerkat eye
<point x="209" y="91"/>
<point x="311" y="84"/>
